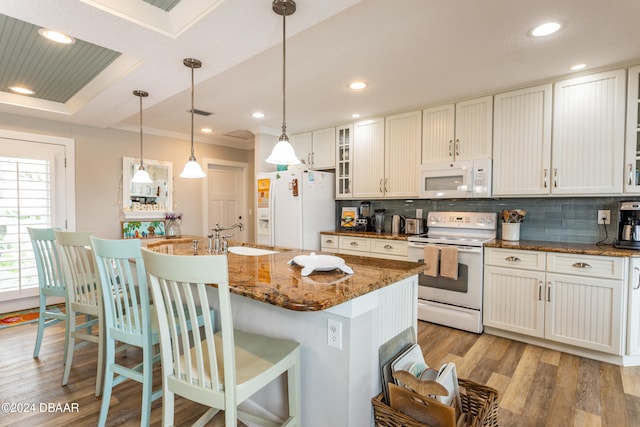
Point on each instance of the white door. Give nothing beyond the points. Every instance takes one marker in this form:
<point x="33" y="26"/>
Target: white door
<point x="227" y="199"/>
<point x="33" y="193"/>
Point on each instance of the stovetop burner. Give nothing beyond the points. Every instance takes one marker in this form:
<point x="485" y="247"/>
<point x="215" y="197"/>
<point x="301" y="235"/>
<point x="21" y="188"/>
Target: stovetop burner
<point x="461" y="228"/>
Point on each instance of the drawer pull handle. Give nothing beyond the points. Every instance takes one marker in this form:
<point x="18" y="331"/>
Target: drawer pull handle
<point x="354" y="243"/>
<point x="637" y="285"/>
<point x="388" y="247"/>
<point x="513" y="259"/>
<point x="581" y="265"/>
<point x="329" y="241"/>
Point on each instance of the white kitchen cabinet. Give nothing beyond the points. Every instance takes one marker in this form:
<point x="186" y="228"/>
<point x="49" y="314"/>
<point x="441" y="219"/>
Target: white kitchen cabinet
<point x="385" y="153"/>
<point x="461" y="131"/>
<point x="328" y="243"/>
<point x="371" y="247"/>
<point x="573" y="299"/>
<point x="316" y="148"/>
<point x="301" y="143"/>
<point x="323" y="144"/>
<point x="588" y="134"/>
<point x="368" y="159"/>
<point x="522" y="142"/>
<point x="402" y="134"/>
<point x="633" y="308"/>
<point x="632" y="144"/>
<point x="344" y="161"/>
<point x="354" y="245"/>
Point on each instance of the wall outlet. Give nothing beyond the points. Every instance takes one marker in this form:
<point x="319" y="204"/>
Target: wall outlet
<point x="604" y="217"/>
<point x="334" y="333"/>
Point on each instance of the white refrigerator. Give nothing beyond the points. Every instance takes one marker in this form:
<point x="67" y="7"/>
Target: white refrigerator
<point x="293" y="207"/>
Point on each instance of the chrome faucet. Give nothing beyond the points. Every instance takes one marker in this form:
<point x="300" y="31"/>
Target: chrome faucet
<point x="215" y="246"/>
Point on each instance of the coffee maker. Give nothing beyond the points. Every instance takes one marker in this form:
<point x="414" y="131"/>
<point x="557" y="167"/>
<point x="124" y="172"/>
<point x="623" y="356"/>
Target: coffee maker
<point x="628" y="226"/>
<point x="365" y="220"/>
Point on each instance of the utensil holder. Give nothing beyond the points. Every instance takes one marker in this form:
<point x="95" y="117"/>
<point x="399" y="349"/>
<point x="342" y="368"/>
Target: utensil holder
<point x="511" y="231"/>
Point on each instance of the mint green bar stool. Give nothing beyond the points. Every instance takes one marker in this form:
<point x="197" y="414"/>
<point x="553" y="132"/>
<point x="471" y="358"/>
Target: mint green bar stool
<point x="51" y="281"/>
<point x="216" y="369"/>
<point x="129" y="319"/>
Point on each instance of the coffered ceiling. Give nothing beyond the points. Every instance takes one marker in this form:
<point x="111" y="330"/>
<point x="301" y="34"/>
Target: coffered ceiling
<point x="412" y="53"/>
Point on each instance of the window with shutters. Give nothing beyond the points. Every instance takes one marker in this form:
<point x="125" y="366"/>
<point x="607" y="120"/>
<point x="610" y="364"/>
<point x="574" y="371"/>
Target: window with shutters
<point x="34" y="192"/>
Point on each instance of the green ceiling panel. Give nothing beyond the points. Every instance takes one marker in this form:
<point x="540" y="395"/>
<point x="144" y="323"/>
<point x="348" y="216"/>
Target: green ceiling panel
<point x="55" y="72"/>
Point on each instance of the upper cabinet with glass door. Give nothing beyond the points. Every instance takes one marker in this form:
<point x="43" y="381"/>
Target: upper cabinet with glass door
<point x="147" y="200"/>
<point x="632" y="148"/>
<point x="344" y="141"/>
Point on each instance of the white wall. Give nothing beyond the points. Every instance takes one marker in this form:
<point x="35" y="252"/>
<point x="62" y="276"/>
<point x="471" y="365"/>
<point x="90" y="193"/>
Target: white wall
<point x="98" y="162"/>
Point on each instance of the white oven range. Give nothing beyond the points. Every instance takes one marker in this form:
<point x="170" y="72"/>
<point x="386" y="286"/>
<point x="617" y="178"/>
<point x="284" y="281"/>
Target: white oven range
<point x="455" y="303"/>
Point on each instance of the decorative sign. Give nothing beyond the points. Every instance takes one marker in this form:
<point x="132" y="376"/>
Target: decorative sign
<point x="142" y="229"/>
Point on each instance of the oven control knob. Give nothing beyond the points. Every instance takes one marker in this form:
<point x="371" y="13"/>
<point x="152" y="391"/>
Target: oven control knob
<point x="432" y="219"/>
<point x="489" y="220"/>
<point x="480" y="220"/>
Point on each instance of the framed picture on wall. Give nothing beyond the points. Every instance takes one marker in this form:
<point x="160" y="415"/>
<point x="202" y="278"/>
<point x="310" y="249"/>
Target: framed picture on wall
<point x="142" y="229"/>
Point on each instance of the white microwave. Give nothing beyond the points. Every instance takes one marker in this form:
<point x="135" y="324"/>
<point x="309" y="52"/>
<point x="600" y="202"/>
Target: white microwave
<point x="456" y="180"/>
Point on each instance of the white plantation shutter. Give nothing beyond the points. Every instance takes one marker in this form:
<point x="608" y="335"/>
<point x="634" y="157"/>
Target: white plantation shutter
<point x="33" y="193"/>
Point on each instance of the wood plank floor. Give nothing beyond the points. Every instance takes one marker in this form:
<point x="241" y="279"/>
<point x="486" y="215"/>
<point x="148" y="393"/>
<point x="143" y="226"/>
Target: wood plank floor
<point x="537" y="387"/>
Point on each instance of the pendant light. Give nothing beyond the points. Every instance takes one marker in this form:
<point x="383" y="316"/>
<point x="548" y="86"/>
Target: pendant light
<point x="283" y="153"/>
<point x="192" y="169"/>
<point x="141" y="176"/>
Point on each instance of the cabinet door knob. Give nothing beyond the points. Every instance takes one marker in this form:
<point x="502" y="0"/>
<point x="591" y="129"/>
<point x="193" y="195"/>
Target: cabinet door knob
<point x="581" y="265"/>
<point x="513" y="259"/>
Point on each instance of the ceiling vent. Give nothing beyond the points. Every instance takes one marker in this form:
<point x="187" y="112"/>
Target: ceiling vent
<point x="200" y="112"/>
<point x="240" y="134"/>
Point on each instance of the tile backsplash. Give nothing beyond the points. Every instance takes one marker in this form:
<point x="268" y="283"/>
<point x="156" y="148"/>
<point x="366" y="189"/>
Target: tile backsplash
<point x="566" y="219"/>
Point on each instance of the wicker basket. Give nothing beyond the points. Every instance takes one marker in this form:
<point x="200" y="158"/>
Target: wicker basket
<point x="480" y="401"/>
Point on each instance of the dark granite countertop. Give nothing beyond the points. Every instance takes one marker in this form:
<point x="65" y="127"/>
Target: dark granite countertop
<point x="269" y="278"/>
<point x="564" y="247"/>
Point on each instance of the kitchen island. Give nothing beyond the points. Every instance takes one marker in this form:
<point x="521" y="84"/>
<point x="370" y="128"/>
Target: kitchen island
<point x="366" y="309"/>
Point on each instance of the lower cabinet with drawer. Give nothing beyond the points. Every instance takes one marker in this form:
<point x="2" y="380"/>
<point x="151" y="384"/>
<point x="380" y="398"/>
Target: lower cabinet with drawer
<point x="363" y="246"/>
<point x="567" y="298"/>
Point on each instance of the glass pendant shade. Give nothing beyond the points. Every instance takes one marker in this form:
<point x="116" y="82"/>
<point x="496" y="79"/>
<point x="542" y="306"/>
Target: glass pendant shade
<point x="283" y="152"/>
<point x="141" y="176"/>
<point x="192" y="169"/>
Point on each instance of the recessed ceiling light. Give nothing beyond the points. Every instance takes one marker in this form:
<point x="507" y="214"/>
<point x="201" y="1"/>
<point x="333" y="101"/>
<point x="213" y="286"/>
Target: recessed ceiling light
<point x="257" y="115"/>
<point x="206" y="130"/>
<point x="357" y="85"/>
<point x="355" y="115"/>
<point x="578" y="67"/>
<point x="56" y="36"/>
<point x="21" y="90"/>
<point x="545" y="29"/>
